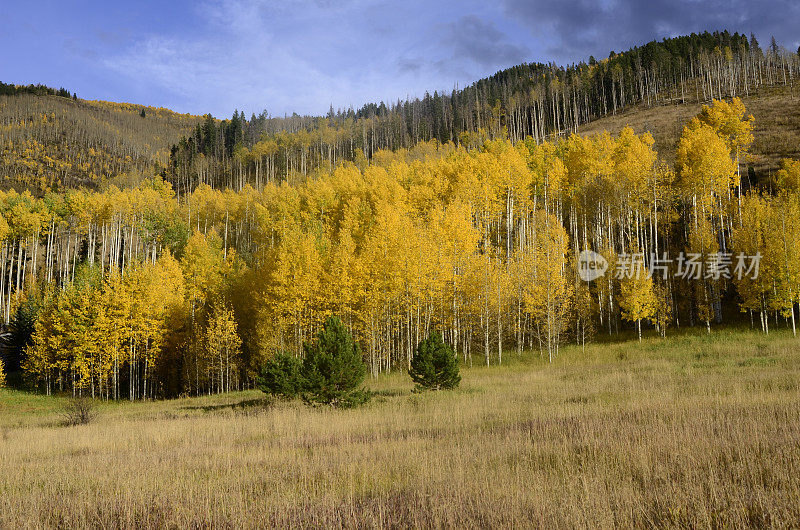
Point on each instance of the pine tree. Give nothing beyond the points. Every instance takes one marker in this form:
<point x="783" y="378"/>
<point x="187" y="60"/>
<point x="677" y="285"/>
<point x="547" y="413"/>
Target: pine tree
<point x="281" y="376"/>
<point x="22" y="328"/>
<point x="333" y="368"/>
<point x="434" y="365"/>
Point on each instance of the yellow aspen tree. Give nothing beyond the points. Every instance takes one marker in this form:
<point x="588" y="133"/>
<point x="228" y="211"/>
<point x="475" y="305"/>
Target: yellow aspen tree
<point x="703" y="245"/>
<point x="750" y="239"/>
<point x="223" y="344"/>
<point x="549" y="293"/>
<point x="704" y="165"/>
<point x="40" y="365"/>
<point x="482" y="296"/>
<point x="730" y="121"/>
<point x="637" y="300"/>
<point x="707" y="174"/>
<point x="788" y="176"/>
<point x="585" y="310"/>
<point x="663" y="308"/>
<point x="782" y="254"/>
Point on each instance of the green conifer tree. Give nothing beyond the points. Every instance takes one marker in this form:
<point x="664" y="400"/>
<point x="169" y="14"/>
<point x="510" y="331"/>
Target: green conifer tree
<point x="333" y="368"/>
<point x="280" y="376"/>
<point x="434" y="365"/>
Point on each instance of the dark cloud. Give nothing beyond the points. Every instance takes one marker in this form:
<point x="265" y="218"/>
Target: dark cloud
<point x="479" y="41"/>
<point x="578" y="28"/>
<point x="461" y="51"/>
<point x="301" y="55"/>
<point x="407" y="65"/>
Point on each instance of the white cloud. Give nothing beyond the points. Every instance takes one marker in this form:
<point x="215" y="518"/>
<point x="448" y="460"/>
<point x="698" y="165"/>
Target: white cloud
<point x="302" y="55"/>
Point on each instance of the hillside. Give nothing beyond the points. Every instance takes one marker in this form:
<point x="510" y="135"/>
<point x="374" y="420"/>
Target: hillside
<point x="776" y="129"/>
<point x="50" y="141"/>
<point x="540" y="101"/>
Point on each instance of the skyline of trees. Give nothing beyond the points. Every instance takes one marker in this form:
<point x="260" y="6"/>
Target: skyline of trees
<point x="51" y="143"/>
<point x="539" y="101"/>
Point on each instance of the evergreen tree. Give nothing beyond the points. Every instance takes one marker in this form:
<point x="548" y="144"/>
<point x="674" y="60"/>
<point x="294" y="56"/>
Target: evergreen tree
<point x="21" y="328"/>
<point x="281" y="376"/>
<point x="434" y="365"/>
<point x="333" y="369"/>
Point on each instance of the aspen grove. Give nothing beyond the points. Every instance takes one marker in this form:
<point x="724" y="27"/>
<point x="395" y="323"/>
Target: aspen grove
<point x="141" y="293"/>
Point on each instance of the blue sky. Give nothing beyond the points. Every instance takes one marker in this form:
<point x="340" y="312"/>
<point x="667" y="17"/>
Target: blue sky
<point x="304" y="55"/>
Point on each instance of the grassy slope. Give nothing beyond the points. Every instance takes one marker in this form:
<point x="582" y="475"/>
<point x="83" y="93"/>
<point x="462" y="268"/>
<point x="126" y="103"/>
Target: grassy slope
<point x="776" y="130"/>
<point x="695" y="429"/>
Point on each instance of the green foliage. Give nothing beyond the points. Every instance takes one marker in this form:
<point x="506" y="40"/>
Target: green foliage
<point x="434" y="365"/>
<point x="21" y="328"/>
<point x="333" y="368"/>
<point x="281" y="376"/>
<point x="10" y="89"/>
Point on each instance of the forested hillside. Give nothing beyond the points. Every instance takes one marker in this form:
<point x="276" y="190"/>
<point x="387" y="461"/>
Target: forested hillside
<point x="51" y="141"/>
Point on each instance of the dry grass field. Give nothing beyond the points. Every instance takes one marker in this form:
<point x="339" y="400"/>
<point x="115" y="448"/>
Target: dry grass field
<point x="693" y="431"/>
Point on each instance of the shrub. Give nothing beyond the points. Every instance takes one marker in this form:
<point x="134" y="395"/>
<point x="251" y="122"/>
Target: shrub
<point x="280" y="376"/>
<point x="2" y="375"/>
<point x="434" y="365"/>
<point x="333" y="368"/>
<point x="79" y="411"/>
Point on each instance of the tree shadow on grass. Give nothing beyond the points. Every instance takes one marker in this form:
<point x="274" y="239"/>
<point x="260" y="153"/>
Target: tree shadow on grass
<point x="389" y="393"/>
<point x="245" y="405"/>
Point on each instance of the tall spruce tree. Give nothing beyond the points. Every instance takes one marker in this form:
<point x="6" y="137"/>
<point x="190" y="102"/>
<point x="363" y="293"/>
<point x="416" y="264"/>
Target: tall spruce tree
<point x="434" y="365"/>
